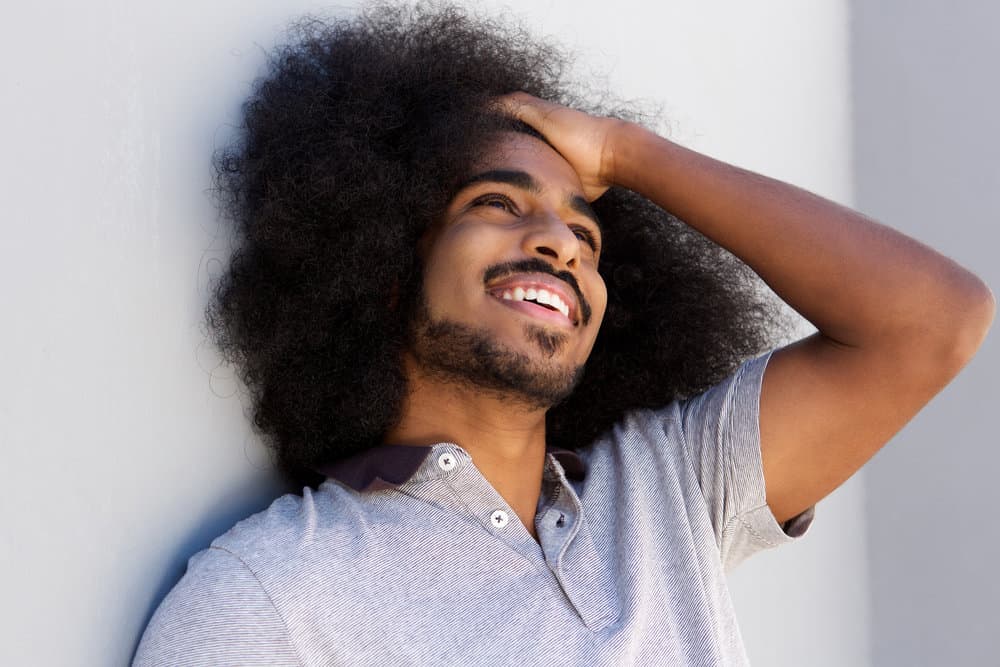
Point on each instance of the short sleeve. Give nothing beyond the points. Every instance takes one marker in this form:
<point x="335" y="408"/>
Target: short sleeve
<point x="721" y="434"/>
<point x="218" y="614"/>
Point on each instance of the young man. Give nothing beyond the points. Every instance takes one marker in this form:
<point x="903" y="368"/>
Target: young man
<point x="436" y="287"/>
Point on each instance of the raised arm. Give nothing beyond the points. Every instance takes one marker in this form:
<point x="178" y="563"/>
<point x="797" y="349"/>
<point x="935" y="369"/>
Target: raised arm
<point x="897" y="320"/>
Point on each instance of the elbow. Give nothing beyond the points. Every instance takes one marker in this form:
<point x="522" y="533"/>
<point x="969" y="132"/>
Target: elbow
<point x="979" y="310"/>
<point x="964" y="332"/>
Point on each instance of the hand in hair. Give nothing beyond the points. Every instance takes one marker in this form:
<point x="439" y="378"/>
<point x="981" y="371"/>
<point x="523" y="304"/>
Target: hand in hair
<point x="587" y="142"/>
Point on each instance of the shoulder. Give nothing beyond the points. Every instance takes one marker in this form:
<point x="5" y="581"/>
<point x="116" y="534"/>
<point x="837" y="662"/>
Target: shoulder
<point x="642" y="441"/>
<point x="292" y="526"/>
<point x="736" y="396"/>
<point x="234" y="602"/>
<point x="686" y="432"/>
<point x="217" y="614"/>
<point x="267" y="551"/>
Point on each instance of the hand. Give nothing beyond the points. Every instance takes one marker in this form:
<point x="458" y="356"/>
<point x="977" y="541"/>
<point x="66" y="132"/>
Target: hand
<point x="585" y="141"/>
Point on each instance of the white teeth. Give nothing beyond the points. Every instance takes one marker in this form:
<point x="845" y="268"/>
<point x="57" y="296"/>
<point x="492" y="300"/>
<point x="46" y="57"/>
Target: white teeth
<point x="540" y="295"/>
<point x="558" y="304"/>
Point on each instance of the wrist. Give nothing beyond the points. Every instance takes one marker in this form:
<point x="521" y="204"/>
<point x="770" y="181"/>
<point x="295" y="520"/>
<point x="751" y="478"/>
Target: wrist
<point x="627" y="143"/>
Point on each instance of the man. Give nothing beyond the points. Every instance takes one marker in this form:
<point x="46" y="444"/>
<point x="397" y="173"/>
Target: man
<point x="441" y="279"/>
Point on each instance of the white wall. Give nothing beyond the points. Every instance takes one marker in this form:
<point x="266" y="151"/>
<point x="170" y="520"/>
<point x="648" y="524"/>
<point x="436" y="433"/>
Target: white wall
<point x="927" y="155"/>
<point x="123" y="449"/>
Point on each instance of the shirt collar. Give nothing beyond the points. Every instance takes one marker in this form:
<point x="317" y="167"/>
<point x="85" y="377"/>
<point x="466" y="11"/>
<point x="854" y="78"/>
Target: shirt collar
<point x="390" y="466"/>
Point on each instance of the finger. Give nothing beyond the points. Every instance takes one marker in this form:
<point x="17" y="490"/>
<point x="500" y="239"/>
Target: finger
<point x="506" y="105"/>
<point x="525" y="107"/>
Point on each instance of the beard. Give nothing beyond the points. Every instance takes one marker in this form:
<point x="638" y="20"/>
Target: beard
<point x="472" y="358"/>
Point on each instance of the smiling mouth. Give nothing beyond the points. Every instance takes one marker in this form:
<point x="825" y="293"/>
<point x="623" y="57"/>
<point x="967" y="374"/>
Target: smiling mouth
<point x="537" y="302"/>
<point x="540" y="296"/>
<point x="570" y="308"/>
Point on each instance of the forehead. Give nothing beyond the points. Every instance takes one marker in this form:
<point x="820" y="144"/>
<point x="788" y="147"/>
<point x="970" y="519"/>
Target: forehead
<point x="518" y="151"/>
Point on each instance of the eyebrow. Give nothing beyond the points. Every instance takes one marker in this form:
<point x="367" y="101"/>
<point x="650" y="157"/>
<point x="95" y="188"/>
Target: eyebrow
<point x="519" y="179"/>
<point x="525" y="181"/>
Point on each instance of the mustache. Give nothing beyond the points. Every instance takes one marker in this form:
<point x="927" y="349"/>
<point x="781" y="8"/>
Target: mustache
<point x="535" y="265"/>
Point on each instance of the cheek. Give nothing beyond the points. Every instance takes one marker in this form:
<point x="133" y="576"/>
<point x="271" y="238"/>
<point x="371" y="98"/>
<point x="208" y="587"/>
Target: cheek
<point x="599" y="300"/>
<point x="453" y="270"/>
<point x="467" y="249"/>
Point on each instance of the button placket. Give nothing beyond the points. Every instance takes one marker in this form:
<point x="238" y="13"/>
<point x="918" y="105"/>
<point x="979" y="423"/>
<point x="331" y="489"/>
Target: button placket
<point x="499" y="519"/>
<point x="561" y="524"/>
<point x="447" y="461"/>
<point x="483" y="502"/>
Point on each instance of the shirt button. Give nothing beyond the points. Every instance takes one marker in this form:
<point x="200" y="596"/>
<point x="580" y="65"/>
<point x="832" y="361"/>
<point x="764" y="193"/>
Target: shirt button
<point x="447" y="461"/>
<point x="499" y="518"/>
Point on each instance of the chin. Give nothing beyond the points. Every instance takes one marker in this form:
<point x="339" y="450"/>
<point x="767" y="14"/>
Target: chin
<point x="529" y="374"/>
<point x="549" y="341"/>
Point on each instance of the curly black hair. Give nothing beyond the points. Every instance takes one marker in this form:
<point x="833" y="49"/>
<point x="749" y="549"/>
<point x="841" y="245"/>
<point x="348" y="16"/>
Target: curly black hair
<point x="351" y="146"/>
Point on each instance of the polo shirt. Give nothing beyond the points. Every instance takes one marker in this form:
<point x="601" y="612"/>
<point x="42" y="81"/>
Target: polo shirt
<point x="408" y="556"/>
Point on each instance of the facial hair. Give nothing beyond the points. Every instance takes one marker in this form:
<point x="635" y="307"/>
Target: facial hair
<point x="472" y="357"/>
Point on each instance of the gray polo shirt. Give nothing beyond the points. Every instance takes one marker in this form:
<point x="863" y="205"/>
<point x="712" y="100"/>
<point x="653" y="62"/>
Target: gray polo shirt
<point x="408" y="556"/>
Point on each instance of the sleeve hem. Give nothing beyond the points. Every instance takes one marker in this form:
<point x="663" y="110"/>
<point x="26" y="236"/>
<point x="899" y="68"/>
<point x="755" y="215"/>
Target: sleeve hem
<point x="799" y="524"/>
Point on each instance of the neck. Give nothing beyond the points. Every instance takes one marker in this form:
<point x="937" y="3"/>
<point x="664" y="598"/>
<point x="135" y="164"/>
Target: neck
<point x="506" y="441"/>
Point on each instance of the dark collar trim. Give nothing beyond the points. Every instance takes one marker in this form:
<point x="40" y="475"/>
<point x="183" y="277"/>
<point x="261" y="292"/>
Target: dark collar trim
<point x="389" y="466"/>
<point x="381" y="467"/>
<point x="572" y="464"/>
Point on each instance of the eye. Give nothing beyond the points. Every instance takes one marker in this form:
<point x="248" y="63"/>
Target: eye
<point x="496" y="200"/>
<point x="586" y="236"/>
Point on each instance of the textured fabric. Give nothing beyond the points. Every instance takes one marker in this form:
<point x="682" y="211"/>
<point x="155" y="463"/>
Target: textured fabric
<point x="438" y="569"/>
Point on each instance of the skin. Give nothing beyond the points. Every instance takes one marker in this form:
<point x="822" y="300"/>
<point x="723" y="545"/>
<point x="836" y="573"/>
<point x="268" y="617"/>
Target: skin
<point x="885" y="345"/>
<point x="524" y="202"/>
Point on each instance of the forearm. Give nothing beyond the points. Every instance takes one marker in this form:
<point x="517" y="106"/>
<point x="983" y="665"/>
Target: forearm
<point x="860" y="283"/>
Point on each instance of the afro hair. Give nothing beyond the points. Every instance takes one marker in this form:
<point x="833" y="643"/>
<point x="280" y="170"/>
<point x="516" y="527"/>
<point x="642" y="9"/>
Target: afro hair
<point x="351" y="146"/>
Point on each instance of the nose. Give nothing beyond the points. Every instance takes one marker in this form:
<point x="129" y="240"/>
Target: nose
<point x="549" y="236"/>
